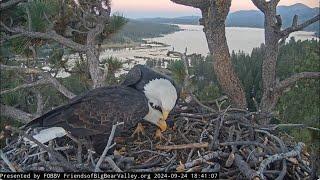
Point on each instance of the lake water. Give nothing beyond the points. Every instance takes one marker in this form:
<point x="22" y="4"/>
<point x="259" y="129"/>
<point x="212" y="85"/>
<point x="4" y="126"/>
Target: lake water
<point x="238" y="38"/>
<point x="190" y="36"/>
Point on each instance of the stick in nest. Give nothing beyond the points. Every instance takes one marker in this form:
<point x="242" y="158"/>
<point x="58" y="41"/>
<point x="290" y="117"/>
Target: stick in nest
<point x="295" y="152"/>
<point x="54" y="154"/>
<point x="6" y="160"/>
<point x="106" y="149"/>
<point x="183" y="146"/>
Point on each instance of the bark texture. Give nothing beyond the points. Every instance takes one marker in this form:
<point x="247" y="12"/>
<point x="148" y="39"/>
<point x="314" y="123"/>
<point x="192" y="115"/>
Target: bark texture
<point x="15" y="113"/>
<point x="275" y="36"/>
<point x="214" y="13"/>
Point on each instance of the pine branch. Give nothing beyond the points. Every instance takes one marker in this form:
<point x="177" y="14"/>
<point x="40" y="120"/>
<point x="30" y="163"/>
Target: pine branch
<point x="260" y="4"/>
<point x="8" y="4"/>
<point x="15" y="113"/>
<point x="296" y="27"/>
<point x="37" y="83"/>
<point x="186" y="81"/>
<point x="62" y="89"/>
<point x="282" y="85"/>
<point x="50" y="35"/>
<point x="193" y="3"/>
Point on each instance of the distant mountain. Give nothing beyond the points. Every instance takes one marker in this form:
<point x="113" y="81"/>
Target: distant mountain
<point x="253" y="18"/>
<point x="178" y="20"/>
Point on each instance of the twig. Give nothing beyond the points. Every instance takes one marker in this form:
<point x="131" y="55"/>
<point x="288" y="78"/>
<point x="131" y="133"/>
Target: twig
<point x="113" y="164"/>
<point x="106" y="149"/>
<point x="6" y="160"/>
<point x="297" y="150"/>
<point x="57" y="149"/>
<point x="39" y="82"/>
<point x="200" y="116"/>
<point x="15" y="113"/>
<point x="283" y="149"/>
<point x="205" y="158"/>
<point x="244" y="168"/>
<point x="54" y="154"/>
<point x="144" y="166"/>
<point x="186" y="81"/>
<point x="183" y="146"/>
<point x="247" y="143"/>
<point x="154" y="152"/>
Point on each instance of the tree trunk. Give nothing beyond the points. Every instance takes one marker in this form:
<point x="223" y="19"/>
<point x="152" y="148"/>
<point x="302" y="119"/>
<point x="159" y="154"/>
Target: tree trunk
<point x="223" y="68"/>
<point x="214" y="14"/>
<point x="96" y="73"/>
<point x="272" y="90"/>
<point x="269" y="98"/>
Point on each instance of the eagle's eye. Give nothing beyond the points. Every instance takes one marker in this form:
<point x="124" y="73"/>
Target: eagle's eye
<point x="155" y="107"/>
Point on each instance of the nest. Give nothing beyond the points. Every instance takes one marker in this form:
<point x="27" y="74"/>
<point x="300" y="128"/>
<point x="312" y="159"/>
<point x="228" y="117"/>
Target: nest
<point x="230" y="142"/>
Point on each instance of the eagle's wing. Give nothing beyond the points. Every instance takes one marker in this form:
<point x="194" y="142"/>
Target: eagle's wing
<point x="133" y="76"/>
<point x="96" y="111"/>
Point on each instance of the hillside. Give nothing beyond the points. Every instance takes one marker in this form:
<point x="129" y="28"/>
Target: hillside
<point x="135" y="31"/>
<point x="178" y="20"/>
<point x="252" y="18"/>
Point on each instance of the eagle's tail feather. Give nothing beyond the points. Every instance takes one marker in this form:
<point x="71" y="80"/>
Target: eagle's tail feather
<point x="39" y="122"/>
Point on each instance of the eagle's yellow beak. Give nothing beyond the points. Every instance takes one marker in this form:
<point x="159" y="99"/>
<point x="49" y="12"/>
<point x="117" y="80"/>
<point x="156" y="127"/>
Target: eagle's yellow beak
<point x="162" y="124"/>
<point x="165" y="115"/>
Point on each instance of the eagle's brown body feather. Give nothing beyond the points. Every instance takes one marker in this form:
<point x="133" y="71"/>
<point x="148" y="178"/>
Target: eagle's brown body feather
<point x="94" y="113"/>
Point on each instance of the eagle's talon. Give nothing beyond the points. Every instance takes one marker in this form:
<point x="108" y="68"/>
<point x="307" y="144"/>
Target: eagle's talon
<point x="139" y="130"/>
<point x="120" y="152"/>
<point x="159" y="135"/>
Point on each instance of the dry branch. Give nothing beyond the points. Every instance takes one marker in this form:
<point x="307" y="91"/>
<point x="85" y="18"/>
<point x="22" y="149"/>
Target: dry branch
<point x="282" y="85"/>
<point x="5" y="159"/>
<point x="53" y="153"/>
<point x="47" y="78"/>
<point x="113" y="164"/>
<point x="245" y="168"/>
<point x="37" y="83"/>
<point x="15" y="113"/>
<point x="296" y="152"/>
<point x="51" y="35"/>
<point x="8" y="4"/>
<point x="186" y="82"/>
<point x="62" y="89"/>
<point x="193" y="3"/>
<point x="183" y="146"/>
<point x="260" y="4"/>
<point x="26" y="70"/>
<point x="106" y="149"/>
<point x="299" y="27"/>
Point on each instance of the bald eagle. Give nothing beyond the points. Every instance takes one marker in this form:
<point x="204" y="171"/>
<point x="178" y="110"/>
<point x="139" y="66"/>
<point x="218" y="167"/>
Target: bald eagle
<point x="93" y="114"/>
<point x="161" y="91"/>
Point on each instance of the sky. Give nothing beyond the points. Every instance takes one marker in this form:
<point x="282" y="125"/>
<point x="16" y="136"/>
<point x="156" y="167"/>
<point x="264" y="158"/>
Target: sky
<point x="166" y="8"/>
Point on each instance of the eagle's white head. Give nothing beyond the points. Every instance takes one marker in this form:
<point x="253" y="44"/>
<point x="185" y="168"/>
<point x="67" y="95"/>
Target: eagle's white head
<point x="161" y="94"/>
